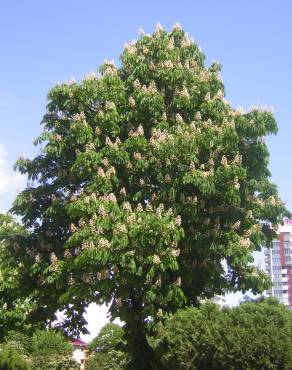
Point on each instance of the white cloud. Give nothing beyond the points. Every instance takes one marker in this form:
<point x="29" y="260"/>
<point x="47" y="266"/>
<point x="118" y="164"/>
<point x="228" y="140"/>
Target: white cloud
<point x="10" y="181"/>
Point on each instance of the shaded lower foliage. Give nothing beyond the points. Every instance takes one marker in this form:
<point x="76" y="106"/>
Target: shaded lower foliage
<point x="10" y="359"/>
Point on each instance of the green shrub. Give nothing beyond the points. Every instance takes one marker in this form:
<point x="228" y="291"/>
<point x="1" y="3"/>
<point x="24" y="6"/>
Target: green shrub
<point x="252" y="336"/>
<point x="11" y="360"/>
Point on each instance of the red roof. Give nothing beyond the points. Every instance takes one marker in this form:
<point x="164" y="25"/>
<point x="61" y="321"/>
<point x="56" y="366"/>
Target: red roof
<point x="78" y="343"/>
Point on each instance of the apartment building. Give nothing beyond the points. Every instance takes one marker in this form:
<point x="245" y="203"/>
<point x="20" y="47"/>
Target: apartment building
<point x="278" y="264"/>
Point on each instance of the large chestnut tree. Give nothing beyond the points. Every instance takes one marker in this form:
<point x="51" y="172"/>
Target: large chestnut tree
<point x="150" y="191"/>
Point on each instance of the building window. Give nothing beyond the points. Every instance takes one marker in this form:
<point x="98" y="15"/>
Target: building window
<point x="286" y="237"/>
<point x="277" y="268"/>
<point x="276" y="244"/>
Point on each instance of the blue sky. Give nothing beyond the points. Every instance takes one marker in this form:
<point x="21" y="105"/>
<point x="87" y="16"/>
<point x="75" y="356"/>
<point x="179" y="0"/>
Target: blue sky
<point x="43" y="42"/>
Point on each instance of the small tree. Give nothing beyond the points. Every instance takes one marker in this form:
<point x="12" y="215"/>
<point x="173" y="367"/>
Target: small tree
<point x="108" y="349"/>
<point x="146" y="182"/>
<point x="255" y="335"/>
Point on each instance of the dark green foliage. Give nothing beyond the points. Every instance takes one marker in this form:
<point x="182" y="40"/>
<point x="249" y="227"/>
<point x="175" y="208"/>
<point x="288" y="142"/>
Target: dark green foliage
<point x="253" y="336"/>
<point x="108" y="349"/>
<point x="10" y="359"/>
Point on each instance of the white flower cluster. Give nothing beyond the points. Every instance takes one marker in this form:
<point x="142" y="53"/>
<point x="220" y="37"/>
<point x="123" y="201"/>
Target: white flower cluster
<point x="137" y="84"/>
<point x="123" y="191"/>
<point x="132" y="102"/>
<point x="120" y="229"/>
<point x="111" y="144"/>
<point x="131" y="47"/>
<point x="138" y="132"/>
<point x="204" y="76"/>
<point x="170" y="45"/>
<point x="160" y="136"/>
<point x="53" y="258"/>
<point x="156" y="259"/>
<point x="178" y="220"/>
<point x="183" y="93"/>
<point x="178" y="282"/>
<point x="224" y="161"/>
<point x="186" y="41"/>
<point x="103" y="243"/>
<point x="236" y="225"/>
<point x="236" y="184"/>
<point x="237" y="159"/>
<point x="89" y="147"/>
<point x="272" y="200"/>
<point x="79" y="117"/>
<point x="73" y="228"/>
<point x="100" y="172"/>
<point x="127" y="207"/>
<point x="249" y="214"/>
<point x="167" y="64"/>
<point x="67" y="254"/>
<point x="198" y="115"/>
<point x="245" y="243"/>
<point x="159" y="313"/>
<point x="158" y="28"/>
<point x="167" y="178"/>
<point x="90" y="76"/>
<point x="118" y="302"/>
<point x="81" y="222"/>
<point x="261" y="108"/>
<point x="87" y="245"/>
<point x="110" y="106"/>
<point x="148" y="207"/>
<point x="137" y="156"/>
<point x="178" y="118"/>
<point x="112" y="198"/>
<point x="176" y="27"/>
<point x="207" y="97"/>
<point x="139" y="207"/>
<point x="219" y="95"/>
<point x="110" y="172"/>
<point x="38" y="258"/>
<point x="239" y="111"/>
<point x="175" y="252"/>
<point x="101" y="211"/>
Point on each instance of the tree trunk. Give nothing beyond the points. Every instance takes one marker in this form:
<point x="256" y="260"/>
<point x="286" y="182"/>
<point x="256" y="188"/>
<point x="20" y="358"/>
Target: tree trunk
<point x="142" y="354"/>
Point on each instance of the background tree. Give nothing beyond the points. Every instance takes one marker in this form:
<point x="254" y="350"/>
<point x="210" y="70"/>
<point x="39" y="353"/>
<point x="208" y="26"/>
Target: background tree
<point x="45" y="349"/>
<point x="147" y="180"/>
<point x="14" y="298"/>
<point x="255" y="335"/>
<point x="108" y="349"/>
<point x="10" y="359"/>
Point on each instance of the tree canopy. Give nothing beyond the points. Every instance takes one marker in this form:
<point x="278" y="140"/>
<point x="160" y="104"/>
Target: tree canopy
<point x="149" y="193"/>
<point x="255" y="336"/>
